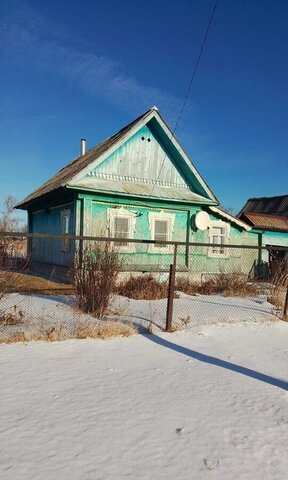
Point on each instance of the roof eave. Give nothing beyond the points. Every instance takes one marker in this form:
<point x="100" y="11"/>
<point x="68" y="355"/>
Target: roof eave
<point x="232" y="219"/>
<point x="206" y="202"/>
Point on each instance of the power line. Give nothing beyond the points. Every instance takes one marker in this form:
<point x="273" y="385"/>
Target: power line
<point x="196" y="67"/>
<point x="190" y="85"/>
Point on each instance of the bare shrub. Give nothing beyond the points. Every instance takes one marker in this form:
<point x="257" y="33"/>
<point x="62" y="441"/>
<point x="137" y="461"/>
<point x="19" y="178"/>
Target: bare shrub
<point x="8" y="284"/>
<point x="10" y="247"/>
<point x="227" y="284"/>
<point x="185" y="285"/>
<point x="280" y="285"/>
<point x="104" y="330"/>
<point x="143" y="288"/>
<point x="95" y="272"/>
<point x="230" y="284"/>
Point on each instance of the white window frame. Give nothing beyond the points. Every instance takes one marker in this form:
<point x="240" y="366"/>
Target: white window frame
<point x="226" y="226"/>
<point x="170" y="218"/>
<point x="65" y="242"/>
<point x="122" y="213"/>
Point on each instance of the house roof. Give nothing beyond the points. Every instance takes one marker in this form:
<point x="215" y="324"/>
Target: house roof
<point x="61" y="178"/>
<point x="277" y="205"/>
<point x="70" y="174"/>
<point x="265" y="221"/>
<point x="229" y="217"/>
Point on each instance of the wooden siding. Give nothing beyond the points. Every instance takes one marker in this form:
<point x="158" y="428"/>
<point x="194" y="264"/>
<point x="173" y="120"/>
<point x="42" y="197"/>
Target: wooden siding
<point x="49" y="221"/>
<point x="144" y="258"/>
<point x="142" y="167"/>
<point x="141" y="159"/>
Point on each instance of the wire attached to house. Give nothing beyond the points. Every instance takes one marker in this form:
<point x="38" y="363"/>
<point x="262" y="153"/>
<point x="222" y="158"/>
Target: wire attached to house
<point x="190" y="85"/>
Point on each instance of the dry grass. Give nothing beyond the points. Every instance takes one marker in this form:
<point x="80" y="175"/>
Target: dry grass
<point x="279" y="289"/>
<point x="277" y="296"/>
<point x="37" y="333"/>
<point x="104" y="330"/>
<point x="19" y="282"/>
<point x="183" y="284"/>
<point x="227" y="284"/>
<point x="15" y="317"/>
<point x="57" y="333"/>
<point x="142" y="288"/>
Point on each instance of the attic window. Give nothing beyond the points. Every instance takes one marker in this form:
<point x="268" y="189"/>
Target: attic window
<point x="142" y="138"/>
<point x="148" y="139"/>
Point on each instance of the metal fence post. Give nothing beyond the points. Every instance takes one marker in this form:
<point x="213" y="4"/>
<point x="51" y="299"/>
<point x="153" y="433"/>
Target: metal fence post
<point x="171" y="290"/>
<point x="285" y="306"/>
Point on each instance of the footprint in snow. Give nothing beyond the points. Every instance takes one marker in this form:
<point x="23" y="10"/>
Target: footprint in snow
<point x="211" y="463"/>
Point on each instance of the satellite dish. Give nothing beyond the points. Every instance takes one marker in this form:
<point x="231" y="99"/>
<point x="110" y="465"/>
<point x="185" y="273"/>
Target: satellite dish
<point x="202" y="220"/>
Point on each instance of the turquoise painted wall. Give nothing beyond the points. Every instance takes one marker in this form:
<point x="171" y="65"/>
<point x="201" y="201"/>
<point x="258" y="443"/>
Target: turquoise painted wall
<point x="143" y="256"/>
<point x="93" y="209"/>
<point x="49" y="221"/>
<point x="275" y="239"/>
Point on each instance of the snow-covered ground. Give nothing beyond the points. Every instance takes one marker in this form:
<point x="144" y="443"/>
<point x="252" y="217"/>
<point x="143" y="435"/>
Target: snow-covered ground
<point x="205" y="403"/>
<point x="189" y="310"/>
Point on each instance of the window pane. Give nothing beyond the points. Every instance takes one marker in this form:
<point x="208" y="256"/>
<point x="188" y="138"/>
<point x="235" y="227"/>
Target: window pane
<point x="218" y="237"/>
<point x="161" y="227"/>
<point x="65" y="223"/>
<point x="217" y="230"/>
<point x="161" y="232"/>
<point x="121" y="229"/>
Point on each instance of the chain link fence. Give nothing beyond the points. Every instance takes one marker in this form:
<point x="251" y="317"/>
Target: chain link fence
<point x="64" y="286"/>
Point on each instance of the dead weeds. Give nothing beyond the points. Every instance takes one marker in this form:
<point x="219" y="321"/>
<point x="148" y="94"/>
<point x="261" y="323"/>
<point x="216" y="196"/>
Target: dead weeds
<point x="104" y="330"/>
<point x="9" y="318"/>
<point x="144" y="287"/>
<point x="226" y="284"/>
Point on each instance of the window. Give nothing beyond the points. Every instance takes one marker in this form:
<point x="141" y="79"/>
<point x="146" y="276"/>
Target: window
<point x="122" y="225"/>
<point x="161" y="228"/>
<point x="65" y="230"/>
<point x="218" y="236"/>
<point x="161" y="232"/>
<point x="121" y="229"/>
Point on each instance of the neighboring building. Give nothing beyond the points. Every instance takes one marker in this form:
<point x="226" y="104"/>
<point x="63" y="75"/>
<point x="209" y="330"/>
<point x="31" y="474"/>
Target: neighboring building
<point x="138" y="184"/>
<point x="268" y="216"/>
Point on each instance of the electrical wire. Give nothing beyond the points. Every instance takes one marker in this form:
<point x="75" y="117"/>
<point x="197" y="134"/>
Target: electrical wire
<point x="190" y="86"/>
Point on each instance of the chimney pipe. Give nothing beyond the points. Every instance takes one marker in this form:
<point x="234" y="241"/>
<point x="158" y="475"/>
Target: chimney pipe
<point x="83" y="146"/>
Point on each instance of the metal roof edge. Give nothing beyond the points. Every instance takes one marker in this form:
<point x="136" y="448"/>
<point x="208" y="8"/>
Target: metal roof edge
<point x="229" y="217"/>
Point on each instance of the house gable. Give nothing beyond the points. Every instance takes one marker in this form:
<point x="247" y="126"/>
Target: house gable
<point x="149" y="163"/>
<point x="161" y="170"/>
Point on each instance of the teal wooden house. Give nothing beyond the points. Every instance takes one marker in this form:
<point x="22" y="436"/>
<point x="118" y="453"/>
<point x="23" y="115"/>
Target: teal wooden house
<point x="268" y="216"/>
<point x="137" y="184"/>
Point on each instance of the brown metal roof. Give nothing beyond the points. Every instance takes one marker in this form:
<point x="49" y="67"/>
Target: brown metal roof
<point x="265" y="222"/>
<point x="61" y="178"/>
<point x="277" y="205"/>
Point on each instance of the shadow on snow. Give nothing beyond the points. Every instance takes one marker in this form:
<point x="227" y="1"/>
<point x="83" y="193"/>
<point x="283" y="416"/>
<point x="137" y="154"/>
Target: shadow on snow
<point x="219" y="363"/>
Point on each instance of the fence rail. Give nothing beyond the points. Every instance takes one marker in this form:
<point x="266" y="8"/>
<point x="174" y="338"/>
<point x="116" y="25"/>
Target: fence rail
<point x="136" y="241"/>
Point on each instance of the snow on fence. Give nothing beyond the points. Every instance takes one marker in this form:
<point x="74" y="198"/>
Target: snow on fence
<point x="63" y="286"/>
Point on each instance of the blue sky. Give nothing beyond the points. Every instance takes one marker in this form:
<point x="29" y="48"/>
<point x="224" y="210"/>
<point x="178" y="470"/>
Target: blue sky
<point x="85" y="69"/>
